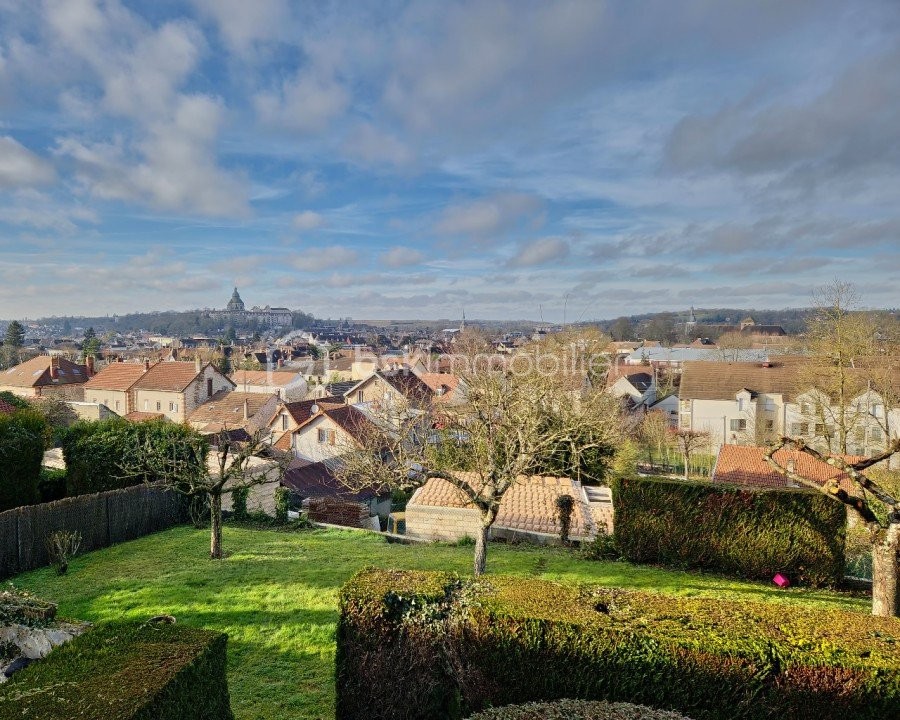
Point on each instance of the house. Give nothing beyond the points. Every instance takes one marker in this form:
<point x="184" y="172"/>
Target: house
<point x="633" y="382"/>
<point x="114" y="385"/>
<point x="446" y="388"/>
<point x="440" y="511"/>
<point x="175" y="389"/>
<point x="741" y="403"/>
<point x="45" y="376"/>
<point x="251" y="411"/>
<point x="315" y="486"/>
<point x="386" y="388"/>
<point x="288" y="416"/>
<point x="287" y="384"/>
<point x="330" y="432"/>
<point x="746" y="465"/>
<point x="668" y="406"/>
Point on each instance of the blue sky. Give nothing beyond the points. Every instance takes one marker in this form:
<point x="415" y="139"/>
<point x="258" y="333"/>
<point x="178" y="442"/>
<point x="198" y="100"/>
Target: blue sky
<point x="414" y="159"/>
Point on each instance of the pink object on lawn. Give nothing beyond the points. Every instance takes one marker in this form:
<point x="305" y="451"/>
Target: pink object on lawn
<point x="781" y="581"/>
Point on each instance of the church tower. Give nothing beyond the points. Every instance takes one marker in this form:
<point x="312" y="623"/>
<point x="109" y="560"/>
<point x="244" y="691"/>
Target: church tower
<point x="235" y="304"/>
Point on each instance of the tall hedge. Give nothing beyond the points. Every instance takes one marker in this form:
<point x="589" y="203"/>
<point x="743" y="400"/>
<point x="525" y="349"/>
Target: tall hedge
<point x="413" y="645"/>
<point x="736" y="531"/>
<point x="22" y="438"/>
<point x="125" y="671"/>
<point x="111" y="454"/>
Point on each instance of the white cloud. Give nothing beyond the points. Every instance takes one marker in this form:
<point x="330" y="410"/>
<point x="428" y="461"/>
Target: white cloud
<point x="398" y="257"/>
<point x="539" y="252"/>
<point x="242" y="24"/>
<point x="306" y="103"/>
<point x="19" y="167"/>
<point x="488" y="216"/>
<point x="308" y="220"/>
<point x="370" y="145"/>
<point x="315" y="259"/>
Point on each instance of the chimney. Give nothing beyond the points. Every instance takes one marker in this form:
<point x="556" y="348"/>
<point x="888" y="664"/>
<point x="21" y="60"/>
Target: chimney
<point x="146" y="364"/>
<point x="280" y="363"/>
<point x="790" y="466"/>
<point x="246" y="409"/>
<point x="89" y="364"/>
<point x="198" y="364"/>
<point x="54" y="368"/>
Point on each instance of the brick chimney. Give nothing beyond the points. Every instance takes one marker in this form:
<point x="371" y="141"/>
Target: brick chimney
<point x="89" y="364"/>
<point x="54" y="367"/>
<point x="146" y="364"/>
<point x="198" y="363"/>
<point x="246" y="409"/>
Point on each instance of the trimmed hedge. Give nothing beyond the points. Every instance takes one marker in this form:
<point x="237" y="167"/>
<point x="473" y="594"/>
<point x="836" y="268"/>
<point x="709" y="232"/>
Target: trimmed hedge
<point x="125" y="671"/>
<point x="720" y="528"/>
<point x="22" y="438"/>
<point x="425" y="645"/>
<point x="96" y="451"/>
<point x="577" y="710"/>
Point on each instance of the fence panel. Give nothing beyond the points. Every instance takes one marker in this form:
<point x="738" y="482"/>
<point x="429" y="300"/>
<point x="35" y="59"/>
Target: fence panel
<point x="85" y="514"/>
<point x="9" y="543"/>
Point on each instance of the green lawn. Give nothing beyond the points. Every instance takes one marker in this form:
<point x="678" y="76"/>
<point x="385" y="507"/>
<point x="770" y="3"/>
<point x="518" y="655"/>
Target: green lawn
<point x="276" y="597"/>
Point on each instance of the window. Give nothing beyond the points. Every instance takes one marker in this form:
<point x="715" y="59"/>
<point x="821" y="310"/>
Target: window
<point x="359" y="396"/>
<point x="875" y="435"/>
<point x="146" y="404"/>
<point x="805" y="408"/>
<point x="740" y="404"/>
<point x="737" y="425"/>
<point x="798" y="428"/>
<point x="208" y="387"/>
<point x="770" y="405"/>
<point x="321" y="435"/>
<point x="284" y="422"/>
<point x="770" y="425"/>
<point x="877" y="411"/>
<point x="176" y="407"/>
<point x="820" y="428"/>
<point x="158" y="406"/>
<point x="171" y="406"/>
<point x="117" y="404"/>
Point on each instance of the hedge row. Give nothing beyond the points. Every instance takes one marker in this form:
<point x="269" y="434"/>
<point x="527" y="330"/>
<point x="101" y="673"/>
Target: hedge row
<point x="425" y="645"/>
<point x="112" y="454"/>
<point x="577" y="710"/>
<point x="125" y="671"/>
<point x="22" y="438"/>
<point x="747" y="533"/>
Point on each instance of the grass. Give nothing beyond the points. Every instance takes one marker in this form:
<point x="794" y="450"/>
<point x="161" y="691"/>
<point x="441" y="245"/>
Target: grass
<point x="276" y="596"/>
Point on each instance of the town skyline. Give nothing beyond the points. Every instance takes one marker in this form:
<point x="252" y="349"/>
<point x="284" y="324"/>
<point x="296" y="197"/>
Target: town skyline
<point x="556" y="161"/>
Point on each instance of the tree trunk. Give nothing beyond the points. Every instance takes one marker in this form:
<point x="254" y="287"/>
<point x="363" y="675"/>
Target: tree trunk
<point x="215" y="520"/>
<point x="885" y="575"/>
<point x="481" y="549"/>
<point x="686" y="466"/>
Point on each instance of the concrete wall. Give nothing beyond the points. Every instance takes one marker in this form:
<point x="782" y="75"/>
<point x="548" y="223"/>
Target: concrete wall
<point x="441" y="523"/>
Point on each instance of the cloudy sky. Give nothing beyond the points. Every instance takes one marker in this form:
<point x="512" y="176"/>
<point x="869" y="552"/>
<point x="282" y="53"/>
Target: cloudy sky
<point x="414" y="159"/>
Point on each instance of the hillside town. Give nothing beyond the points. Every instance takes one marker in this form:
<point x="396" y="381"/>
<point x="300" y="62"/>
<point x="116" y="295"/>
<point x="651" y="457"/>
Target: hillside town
<point x="474" y="360"/>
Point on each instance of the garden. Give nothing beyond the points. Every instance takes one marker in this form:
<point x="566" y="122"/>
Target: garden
<point x="276" y="596"/>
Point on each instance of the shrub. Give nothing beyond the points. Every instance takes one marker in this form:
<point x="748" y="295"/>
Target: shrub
<point x="51" y="485"/>
<point x="62" y="546"/>
<point x="424" y="645"/>
<point x="746" y="533"/>
<point x="282" y="504"/>
<point x="125" y="671"/>
<point x="565" y="504"/>
<point x="602" y="547"/>
<point x="112" y="454"/>
<point x="577" y="710"/>
<point x="239" y="502"/>
<point x="22" y="440"/>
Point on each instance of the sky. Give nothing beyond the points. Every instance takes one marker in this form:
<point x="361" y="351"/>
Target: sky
<point x="510" y="159"/>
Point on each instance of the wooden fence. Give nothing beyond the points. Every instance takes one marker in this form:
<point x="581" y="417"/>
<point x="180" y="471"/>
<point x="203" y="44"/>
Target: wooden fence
<point x="103" y="519"/>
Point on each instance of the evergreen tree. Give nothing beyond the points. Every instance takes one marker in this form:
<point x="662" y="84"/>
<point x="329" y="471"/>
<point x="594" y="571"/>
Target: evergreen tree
<point x="15" y="335"/>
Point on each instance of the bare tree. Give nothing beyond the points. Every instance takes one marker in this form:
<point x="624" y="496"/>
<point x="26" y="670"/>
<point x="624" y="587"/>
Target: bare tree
<point x="233" y="460"/>
<point x="689" y="442"/>
<point x="538" y="415"/>
<point x="884" y="527"/>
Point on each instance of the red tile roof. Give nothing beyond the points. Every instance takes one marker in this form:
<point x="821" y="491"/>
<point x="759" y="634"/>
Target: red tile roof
<point x="36" y="373"/>
<point x="119" y="376"/>
<point x="529" y="505"/>
<point x="168" y="376"/>
<point x="701" y="380"/>
<point x="264" y="378"/>
<point x="226" y="408"/>
<point x="138" y="416"/>
<point x="746" y="465"/>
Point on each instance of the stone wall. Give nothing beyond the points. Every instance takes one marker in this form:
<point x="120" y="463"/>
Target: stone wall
<point x="442" y="523"/>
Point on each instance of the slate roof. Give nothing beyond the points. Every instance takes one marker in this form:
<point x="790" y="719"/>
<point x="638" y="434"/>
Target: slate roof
<point x="119" y="376"/>
<point x="529" y="505"/>
<point x="746" y="465"/>
<point x="315" y="479"/>
<point x="723" y="380"/>
<point x="36" y="373"/>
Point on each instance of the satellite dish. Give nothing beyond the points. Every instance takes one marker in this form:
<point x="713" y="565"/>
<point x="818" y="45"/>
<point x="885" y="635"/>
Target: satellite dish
<point x="313" y="409"/>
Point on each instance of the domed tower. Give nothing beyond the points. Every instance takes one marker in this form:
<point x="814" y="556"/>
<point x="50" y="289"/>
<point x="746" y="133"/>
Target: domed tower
<point x="235" y="304"/>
